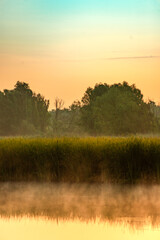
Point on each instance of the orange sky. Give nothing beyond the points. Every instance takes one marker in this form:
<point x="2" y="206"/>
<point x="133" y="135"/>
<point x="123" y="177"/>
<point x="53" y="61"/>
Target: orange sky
<point x="69" y="79"/>
<point x="61" y="48"/>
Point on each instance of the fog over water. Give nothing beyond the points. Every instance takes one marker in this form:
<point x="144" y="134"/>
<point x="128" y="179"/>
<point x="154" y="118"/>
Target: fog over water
<point x="79" y="211"/>
<point x="136" y="205"/>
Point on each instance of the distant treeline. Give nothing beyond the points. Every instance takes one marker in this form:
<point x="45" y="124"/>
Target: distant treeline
<point x="114" y="160"/>
<point x="117" y="109"/>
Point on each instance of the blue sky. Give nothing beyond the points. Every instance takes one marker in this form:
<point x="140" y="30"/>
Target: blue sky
<point x="39" y="8"/>
<point x="23" y="19"/>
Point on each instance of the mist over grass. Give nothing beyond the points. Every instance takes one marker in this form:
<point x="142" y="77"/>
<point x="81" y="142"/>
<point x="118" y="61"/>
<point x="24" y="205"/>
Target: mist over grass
<point x="74" y="160"/>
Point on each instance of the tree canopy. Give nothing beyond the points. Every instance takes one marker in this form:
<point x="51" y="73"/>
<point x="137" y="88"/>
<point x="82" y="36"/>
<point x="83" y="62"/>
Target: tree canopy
<point x="115" y="109"/>
<point x="22" y="111"/>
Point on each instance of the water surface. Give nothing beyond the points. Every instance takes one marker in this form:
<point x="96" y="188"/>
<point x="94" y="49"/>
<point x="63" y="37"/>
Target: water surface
<point x="79" y="211"/>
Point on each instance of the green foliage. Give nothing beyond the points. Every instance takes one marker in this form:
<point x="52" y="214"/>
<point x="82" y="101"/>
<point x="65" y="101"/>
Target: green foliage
<point x="115" y="110"/>
<point x="91" y="94"/>
<point x="66" y="123"/>
<point x="155" y="110"/>
<point x="22" y="111"/>
<point x="119" y="160"/>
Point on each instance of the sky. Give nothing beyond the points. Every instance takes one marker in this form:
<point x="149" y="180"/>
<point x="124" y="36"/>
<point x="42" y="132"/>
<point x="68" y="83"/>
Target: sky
<point x="62" y="47"/>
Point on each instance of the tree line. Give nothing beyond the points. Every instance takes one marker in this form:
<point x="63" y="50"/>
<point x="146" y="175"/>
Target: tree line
<point x="117" y="109"/>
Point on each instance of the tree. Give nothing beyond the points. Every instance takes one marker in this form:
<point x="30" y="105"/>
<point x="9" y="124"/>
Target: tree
<point x="155" y="110"/>
<point x="116" y="109"/>
<point x="92" y="93"/>
<point x="87" y="102"/>
<point x="68" y="121"/>
<point x="41" y="108"/>
<point x="58" y="103"/>
<point x="22" y="111"/>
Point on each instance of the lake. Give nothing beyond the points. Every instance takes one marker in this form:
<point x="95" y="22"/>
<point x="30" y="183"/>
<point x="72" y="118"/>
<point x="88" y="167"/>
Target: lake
<point x="79" y="211"/>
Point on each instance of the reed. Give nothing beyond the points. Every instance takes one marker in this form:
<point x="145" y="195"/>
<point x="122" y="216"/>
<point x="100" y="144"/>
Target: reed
<point x="116" y="160"/>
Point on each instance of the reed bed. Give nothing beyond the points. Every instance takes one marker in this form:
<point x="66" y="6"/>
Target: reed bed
<point x="114" y="160"/>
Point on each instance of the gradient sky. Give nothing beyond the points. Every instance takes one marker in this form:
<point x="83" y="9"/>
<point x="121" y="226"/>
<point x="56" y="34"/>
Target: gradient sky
<point x="62" y="47"/>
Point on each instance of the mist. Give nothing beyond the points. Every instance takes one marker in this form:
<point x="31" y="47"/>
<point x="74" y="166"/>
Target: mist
<point x="114" y="203"/>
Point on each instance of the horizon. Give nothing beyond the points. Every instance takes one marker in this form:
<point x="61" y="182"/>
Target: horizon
<point x="52" y="107"/>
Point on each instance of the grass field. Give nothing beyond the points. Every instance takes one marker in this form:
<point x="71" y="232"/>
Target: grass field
<point x="114" y="160"/>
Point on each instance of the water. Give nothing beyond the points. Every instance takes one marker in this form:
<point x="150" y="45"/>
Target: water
<point x="40" y="229"/>
<point x="79" y="211"/>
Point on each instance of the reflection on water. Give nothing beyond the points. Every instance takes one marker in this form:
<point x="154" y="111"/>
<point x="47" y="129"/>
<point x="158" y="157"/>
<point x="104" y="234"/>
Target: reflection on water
<point x="61" y="211"/>
<point x="40" y="229"/>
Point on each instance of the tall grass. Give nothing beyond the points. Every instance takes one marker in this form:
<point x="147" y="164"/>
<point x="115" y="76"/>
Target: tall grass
<point x="118" y="160"/>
